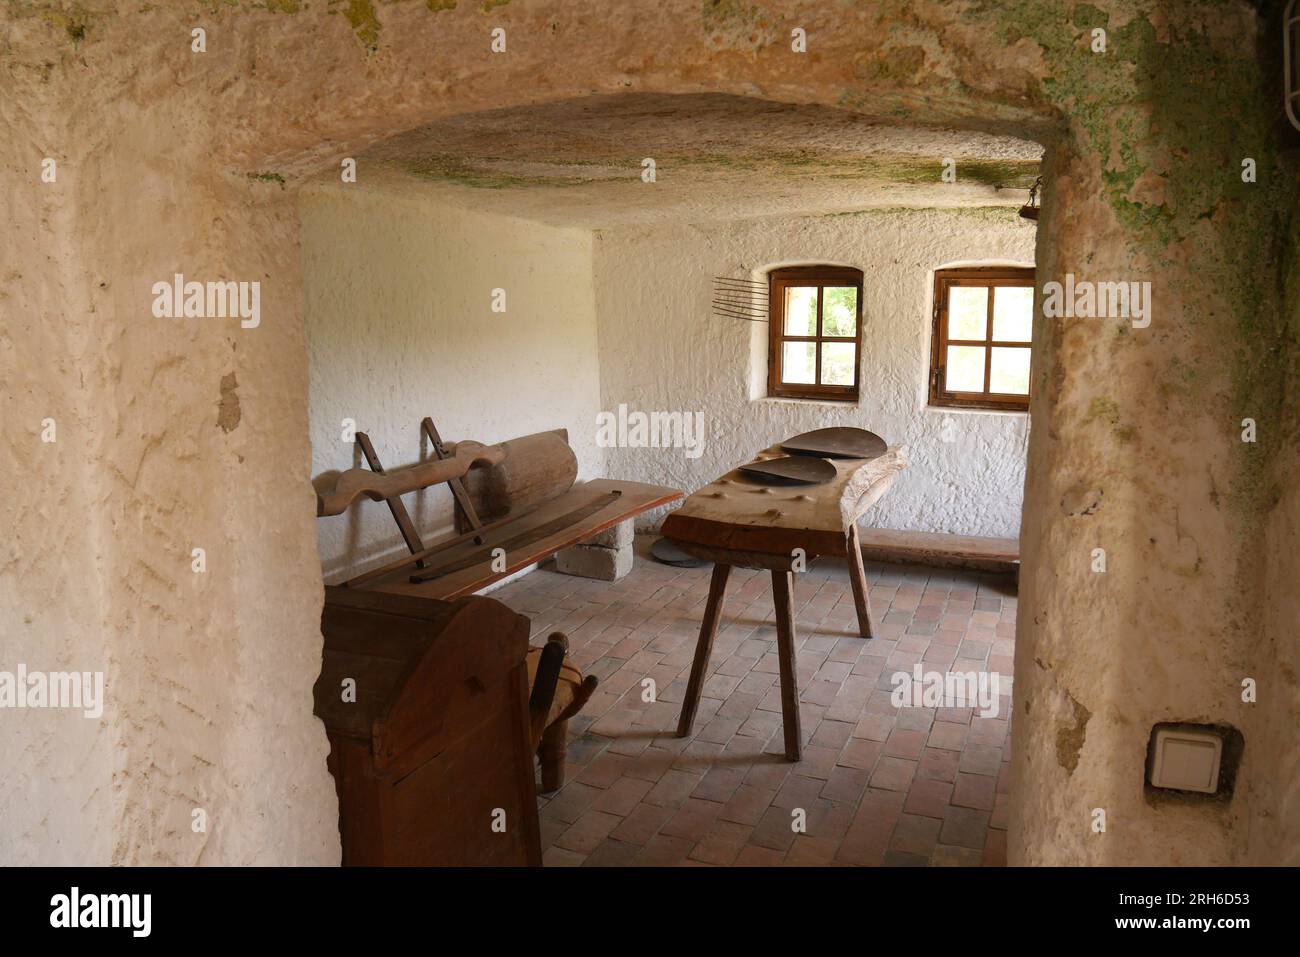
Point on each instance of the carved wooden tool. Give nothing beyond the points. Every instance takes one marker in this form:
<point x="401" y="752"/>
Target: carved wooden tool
<point x="463" y="504"/>
<point x="404" y="524"/>
<point x="352" y="484"/>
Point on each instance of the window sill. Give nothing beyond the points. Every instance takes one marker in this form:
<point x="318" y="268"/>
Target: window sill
<point x="825" y="403"/>
<point x="958" y="410"/>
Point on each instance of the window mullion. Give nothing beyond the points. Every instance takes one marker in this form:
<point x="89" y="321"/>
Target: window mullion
<point x="817" y="358"/>
<point x="988" y="349"/>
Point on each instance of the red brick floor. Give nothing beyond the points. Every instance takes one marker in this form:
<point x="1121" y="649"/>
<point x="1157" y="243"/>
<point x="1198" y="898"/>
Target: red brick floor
<point x="877" y="784"/>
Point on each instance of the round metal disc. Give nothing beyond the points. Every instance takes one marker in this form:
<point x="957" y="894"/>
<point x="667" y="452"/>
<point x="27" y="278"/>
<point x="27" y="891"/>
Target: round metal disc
<point x="666" y="552"/>
<point x="803" y="469"/>
<point x="837" y="443"/>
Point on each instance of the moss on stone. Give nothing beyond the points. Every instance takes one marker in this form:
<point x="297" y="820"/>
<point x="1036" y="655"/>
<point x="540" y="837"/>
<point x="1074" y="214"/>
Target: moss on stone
<point x="776" y="163"/>
<point x="1107" y="411"/>
<point x="912" y="170"/>
<point x="365" y="22"/>
<point x="1186" y="107"/>
<point x="453" y="170"/>
<point x="74" y="21"/>
<point x="737" y="24"/>
<point x="1087" y="16"/>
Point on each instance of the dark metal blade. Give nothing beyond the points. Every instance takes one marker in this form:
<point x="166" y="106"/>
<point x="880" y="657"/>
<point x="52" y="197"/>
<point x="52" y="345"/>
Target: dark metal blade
<point x="837" y="443"/>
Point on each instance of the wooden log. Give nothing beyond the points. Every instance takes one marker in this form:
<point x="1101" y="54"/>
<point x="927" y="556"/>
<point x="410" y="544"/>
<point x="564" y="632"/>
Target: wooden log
<point x="535" y="468"/>
<point x="350" y="485"/>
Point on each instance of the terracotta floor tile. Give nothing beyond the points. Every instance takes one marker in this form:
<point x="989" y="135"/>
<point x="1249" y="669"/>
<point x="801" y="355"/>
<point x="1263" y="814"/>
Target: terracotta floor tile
<point x="663" y="851"/>
<point x="974" y="791"/>
<point x="928" y="797"/>
<point x="893" y="774"/>
<point x="693" y="820"/>
<point x="775" y="829"/>
<point x="622" y="796"/>
<point x="612" y="853"/>
<point x="586" y="834"/>
<point x="754" y="856"/>
<point x="914" y="834"/>
<point x="642" y="824"/>
<point x="965" y="827"/>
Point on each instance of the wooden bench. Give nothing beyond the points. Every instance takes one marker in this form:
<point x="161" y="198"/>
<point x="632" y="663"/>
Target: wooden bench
<point x="935" y="548"/>
<point x="517" y="503"/>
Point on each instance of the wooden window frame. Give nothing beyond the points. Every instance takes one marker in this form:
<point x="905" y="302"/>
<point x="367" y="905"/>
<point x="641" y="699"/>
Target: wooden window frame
<point x="986" y="276"/>
<point x="778" y="281"/>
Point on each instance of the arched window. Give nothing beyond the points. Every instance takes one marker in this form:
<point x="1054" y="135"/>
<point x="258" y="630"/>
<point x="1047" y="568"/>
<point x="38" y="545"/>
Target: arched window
<point x="815" y="328"/>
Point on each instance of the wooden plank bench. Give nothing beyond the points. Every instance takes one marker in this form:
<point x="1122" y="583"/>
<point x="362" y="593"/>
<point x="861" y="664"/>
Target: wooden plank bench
<point x="461" y="566"/>
<point x="526" y="490"/>
<point x="937" y="548"/>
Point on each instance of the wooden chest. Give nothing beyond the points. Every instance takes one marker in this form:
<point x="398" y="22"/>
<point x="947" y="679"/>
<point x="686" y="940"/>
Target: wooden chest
<point x="426" y="707"/>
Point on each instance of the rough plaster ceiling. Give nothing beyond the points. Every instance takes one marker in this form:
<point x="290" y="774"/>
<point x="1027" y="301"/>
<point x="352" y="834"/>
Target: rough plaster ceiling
<point x="579" y="162"/>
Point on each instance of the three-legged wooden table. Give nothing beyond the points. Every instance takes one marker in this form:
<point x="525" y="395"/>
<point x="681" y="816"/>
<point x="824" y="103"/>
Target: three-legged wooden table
<point x="738" y="521"/>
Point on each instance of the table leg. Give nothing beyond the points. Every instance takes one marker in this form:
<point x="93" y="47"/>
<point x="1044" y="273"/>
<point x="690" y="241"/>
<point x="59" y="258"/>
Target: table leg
<point x="708" y="628"/>
<point x="858" y="579"/>
<point x="783" y="595"/>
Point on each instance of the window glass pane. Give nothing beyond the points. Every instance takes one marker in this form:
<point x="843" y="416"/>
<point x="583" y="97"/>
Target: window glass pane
<point x="965" y="369"/>
<point x="837" y="362"/>
<point x="1009" y="371"/>
<point x="839" y="312"/>
<point x="968" y="312"/>
<point x="800" y="312"/>
<point x="797" y="362"/>
<point x="1013" y="314"/>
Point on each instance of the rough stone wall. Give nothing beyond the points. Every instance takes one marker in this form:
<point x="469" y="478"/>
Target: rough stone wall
<point x="209" y="677"/>
<point x="663" y="350"/>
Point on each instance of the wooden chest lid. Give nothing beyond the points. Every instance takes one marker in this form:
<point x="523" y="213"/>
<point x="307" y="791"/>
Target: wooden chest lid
<point x="412" y="661"/>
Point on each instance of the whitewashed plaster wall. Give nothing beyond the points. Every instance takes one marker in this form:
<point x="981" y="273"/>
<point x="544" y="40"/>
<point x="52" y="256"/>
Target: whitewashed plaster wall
<point x="400" y="325"/>
<point x="661" y="349"/>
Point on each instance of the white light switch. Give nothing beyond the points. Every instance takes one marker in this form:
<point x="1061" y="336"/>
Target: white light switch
<point x="1187" y="760"/>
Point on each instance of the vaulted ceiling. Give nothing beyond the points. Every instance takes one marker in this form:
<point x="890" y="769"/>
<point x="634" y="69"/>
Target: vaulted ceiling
<point x="584" y="161"/>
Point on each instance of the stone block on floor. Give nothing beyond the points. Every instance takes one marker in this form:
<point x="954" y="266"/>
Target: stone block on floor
<point x="595" y="561"/>
<point x="618" y="536"/>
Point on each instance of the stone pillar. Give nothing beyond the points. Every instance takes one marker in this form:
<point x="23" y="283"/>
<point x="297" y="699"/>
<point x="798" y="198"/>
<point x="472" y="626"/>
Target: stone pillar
<point x="1137" y="459"/>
